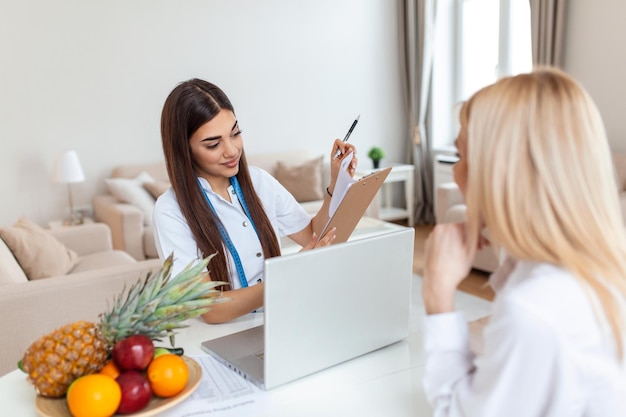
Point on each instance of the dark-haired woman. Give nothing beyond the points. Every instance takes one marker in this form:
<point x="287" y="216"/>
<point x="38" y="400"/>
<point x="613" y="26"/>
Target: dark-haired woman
<point x="219" y="204"/>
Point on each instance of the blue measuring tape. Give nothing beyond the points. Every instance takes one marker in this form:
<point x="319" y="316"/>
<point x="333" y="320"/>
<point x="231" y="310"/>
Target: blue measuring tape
<point x="229" y="243"/>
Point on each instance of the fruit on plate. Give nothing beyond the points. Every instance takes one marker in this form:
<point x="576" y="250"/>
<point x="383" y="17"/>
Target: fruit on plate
<point x="155" y="306"/>
<point x="133" y="353"/>
<point x="168" y="375"/>
<point x="136" y="392"/>
<point x="160" y="351"/>
<point x="94" y="395"/>
<point x="110" y="369"/>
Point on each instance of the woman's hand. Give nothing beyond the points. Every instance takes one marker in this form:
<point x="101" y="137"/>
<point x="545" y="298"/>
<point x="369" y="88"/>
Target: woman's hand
<point x="447" y="262"/>
<point x="326" y="240"/>
<point x="344" y="149"/>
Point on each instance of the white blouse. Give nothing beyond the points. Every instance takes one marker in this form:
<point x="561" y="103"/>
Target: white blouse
<point x="545" y="353"/>
<point x="172" y="233"/>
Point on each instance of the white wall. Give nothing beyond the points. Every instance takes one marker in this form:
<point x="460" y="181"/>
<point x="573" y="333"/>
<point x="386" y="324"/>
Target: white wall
<point x="594" y="54"/>
<point x="93" y="75"/>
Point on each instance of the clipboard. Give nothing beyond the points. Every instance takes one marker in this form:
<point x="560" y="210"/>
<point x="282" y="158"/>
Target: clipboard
<point x="356" y="200"/>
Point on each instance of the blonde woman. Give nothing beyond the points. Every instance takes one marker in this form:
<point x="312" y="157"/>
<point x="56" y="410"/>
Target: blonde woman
<point x="535" y="169"/>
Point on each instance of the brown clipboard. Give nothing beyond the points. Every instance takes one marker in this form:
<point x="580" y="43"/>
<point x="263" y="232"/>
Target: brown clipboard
<point x="353" y="206"/>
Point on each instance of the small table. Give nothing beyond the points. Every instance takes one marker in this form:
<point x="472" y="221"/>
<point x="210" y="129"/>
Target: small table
<point x="399" y="173"/>
<point x="55" y="224"/>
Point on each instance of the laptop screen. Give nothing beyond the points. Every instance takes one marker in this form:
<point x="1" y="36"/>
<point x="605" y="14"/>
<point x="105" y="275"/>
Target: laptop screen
<point x="331" y="304"/>
<point x="324" y="307"/>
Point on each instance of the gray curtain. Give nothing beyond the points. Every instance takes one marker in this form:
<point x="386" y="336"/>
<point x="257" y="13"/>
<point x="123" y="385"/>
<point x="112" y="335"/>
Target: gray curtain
<point x="418" y="20"/>
<point x="548" y="28"/>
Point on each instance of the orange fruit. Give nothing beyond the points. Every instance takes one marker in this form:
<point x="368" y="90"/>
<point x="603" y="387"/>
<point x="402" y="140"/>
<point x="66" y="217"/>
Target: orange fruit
<point x="168" y="375"/>
<point x="110" y="369"/>
<point x="94" y="395"/>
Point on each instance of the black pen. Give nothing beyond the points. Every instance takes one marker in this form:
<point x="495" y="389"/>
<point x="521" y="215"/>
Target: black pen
<point x="348" y="134"/>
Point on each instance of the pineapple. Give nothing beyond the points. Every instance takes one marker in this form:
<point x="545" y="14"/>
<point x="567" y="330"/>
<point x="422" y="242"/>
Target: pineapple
<point x="154" y="306"/>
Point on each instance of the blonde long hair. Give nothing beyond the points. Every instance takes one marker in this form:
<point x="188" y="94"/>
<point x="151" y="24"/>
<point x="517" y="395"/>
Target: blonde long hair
<point x="541" y="177"/>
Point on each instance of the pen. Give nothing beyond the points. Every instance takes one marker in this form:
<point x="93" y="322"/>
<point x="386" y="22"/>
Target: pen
<point x="348" y="134"/>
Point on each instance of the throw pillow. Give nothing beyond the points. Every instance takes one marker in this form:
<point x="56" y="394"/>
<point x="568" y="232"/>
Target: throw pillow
<point x="39" y="253"/>
<point x="303" y="181"/>
<point x="130" y="190"/>
<point x="156" y="188"/>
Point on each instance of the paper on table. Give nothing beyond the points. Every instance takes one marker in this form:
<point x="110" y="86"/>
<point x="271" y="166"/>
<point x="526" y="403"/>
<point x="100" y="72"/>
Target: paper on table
<point x="221" y="393"/>
<point x="344" y="181"/>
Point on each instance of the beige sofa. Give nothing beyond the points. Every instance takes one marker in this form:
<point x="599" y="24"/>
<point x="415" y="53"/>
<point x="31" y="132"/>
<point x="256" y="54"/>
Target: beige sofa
<point x="131" y="227"/>
<point x="33" y="308"/>
<point x="450" y="209"/>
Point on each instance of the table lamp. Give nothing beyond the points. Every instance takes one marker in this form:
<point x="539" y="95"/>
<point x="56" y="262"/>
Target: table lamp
<point x="69" y="171"/>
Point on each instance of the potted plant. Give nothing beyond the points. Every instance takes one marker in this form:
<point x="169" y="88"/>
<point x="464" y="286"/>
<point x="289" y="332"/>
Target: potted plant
<point x="376" y="154"/>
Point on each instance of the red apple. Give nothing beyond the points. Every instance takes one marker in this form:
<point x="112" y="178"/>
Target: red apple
<point x="136" y="392"/>
<point x="133" y="353"/>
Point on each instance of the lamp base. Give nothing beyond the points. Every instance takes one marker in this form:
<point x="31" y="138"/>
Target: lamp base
<point x="73" y="220"/>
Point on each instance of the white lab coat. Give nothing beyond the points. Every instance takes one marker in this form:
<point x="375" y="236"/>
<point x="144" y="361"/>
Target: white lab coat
<point x="172" y="233"/>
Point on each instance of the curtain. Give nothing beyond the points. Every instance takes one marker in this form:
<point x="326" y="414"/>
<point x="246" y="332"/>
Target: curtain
<point x="418" y="18"/>
<point x="548" y="21"/>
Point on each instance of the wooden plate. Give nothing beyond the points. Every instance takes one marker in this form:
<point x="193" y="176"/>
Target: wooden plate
<point x="57" y="407"/>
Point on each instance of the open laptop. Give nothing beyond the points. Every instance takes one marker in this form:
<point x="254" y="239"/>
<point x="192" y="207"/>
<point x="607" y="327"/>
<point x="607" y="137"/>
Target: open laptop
<point x="324" y="307"/>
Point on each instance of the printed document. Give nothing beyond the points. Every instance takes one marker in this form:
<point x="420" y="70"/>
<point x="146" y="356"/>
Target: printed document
<point x="344" y="181"/>
<point x="221" y="393"/>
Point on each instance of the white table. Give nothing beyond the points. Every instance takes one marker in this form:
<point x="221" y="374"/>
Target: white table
<point x="366" y="227"/>
<point x="399" y="173"/>
<point x="387" y="382"/>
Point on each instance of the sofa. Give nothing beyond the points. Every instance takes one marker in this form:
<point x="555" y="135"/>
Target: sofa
<point x="33" y="305"/>
<point x="450" y="208"/>
<point x="132" y="189"/>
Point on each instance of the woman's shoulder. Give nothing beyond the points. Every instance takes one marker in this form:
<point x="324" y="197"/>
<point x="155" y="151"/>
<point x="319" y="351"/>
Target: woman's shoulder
<point x="261" y="176"/>
<point x="166" y="202"/>
<point x="539" y="283"/>
<point x="256" y="172"/>
<point x="547" y="293"/>
<point x="533" y="278"/>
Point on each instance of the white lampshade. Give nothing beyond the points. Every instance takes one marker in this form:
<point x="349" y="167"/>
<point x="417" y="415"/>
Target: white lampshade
<point x="68" y="169"/>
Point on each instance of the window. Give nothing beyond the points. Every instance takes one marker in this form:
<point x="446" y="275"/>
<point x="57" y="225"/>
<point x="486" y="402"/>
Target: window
<point x="476" y="42"/>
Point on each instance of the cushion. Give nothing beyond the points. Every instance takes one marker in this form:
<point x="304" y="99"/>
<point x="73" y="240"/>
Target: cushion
<point x="101" y="260"/>
<point x="156" y="188"/>
<point x="10" y="270"/>
<point x="38" y="252"/>
<point x="303" y="181"/>
<point x="131" y="191"/>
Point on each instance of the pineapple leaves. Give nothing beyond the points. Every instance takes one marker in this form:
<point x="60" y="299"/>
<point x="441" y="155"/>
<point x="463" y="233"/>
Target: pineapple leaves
<point x="157" y="304"/>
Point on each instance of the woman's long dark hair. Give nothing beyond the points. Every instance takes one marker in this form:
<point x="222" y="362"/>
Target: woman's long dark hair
<point x="190" y="105"/>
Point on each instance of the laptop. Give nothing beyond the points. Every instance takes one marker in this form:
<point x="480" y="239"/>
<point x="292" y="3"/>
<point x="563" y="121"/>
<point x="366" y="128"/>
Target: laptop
<point x="324" y="307"/>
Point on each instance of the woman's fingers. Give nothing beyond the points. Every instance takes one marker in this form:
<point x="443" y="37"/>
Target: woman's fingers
<point x="447" y="260"/>
<point x="326" y="240"/>
<point x="483" y="242"/>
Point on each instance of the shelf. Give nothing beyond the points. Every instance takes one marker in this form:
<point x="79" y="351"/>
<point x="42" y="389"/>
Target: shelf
<point x="400" y="173"/>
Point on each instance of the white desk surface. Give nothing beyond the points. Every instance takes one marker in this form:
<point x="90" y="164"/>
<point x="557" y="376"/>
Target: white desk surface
<point x="366" y="227"/>
<point x="386" y="382"/>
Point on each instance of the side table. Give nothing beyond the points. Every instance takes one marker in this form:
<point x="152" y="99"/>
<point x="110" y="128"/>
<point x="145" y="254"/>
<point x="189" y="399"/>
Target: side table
<point x="55" y="224"/>
<point x="399" y="173"/>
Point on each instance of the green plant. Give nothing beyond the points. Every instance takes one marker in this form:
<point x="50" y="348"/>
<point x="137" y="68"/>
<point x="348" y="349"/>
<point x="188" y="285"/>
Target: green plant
<point x="376" y="153"/>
